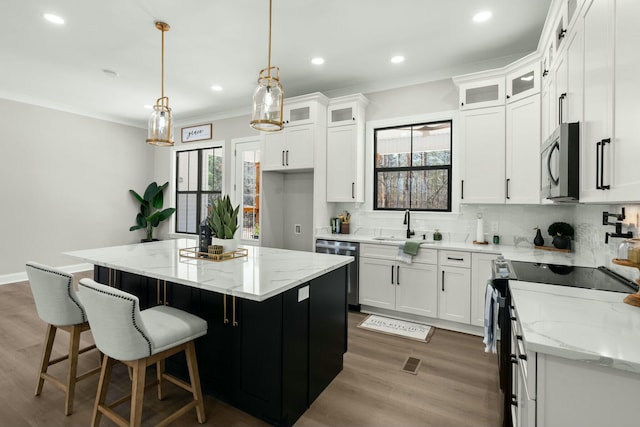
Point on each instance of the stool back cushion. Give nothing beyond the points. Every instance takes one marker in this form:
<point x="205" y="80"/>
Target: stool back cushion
<point x="54" y="295"/>
<point x="114" y="317"/>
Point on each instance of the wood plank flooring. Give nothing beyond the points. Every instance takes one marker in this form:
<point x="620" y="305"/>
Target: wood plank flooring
<point x="456" y="385"/>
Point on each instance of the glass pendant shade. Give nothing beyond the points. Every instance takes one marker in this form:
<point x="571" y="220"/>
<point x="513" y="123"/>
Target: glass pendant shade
<point x="268" y="102"/>
<point x="160" y="129"/>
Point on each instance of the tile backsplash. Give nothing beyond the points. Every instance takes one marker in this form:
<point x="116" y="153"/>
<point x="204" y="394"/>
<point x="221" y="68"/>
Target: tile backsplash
<point x="515" y="224"/>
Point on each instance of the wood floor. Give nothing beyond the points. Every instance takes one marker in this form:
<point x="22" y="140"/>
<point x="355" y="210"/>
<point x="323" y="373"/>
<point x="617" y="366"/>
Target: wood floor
<point x="456" y="385"/>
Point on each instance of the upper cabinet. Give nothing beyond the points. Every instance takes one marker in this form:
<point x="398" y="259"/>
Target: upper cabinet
<point x="482" y="93"/>
<point x="345" y="149"/>
<point x="523" y="81"/>
<point x="293" y="147"/>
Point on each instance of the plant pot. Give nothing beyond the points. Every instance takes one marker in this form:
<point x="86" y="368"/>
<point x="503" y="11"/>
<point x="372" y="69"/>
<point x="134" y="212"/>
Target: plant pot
<point x="228" y="245"/>
<point x="561" y="242"/>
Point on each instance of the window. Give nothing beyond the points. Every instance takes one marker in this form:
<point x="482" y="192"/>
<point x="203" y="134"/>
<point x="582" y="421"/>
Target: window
<point x="248" y="188"/>
<point x="412" y="167"/>
<point x="198" y="181"/>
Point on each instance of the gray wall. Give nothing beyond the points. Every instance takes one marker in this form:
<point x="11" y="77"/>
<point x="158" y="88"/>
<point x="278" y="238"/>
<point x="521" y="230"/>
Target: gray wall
<point x="64" y="184"/>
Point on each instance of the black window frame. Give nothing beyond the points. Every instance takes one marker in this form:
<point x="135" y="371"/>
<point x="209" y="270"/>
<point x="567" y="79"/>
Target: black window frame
<point x="411" y="168"/>
<point x="199" y="192"/>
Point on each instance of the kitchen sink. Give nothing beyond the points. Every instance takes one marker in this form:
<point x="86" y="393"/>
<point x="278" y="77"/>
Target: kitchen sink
<point x="403" y="239"/>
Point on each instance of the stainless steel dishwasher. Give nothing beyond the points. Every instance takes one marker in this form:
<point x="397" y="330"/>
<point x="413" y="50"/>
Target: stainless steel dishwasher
<point x="345" y="248"/>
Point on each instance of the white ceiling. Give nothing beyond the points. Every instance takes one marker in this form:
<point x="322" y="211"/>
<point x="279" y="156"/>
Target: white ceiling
<point x="224" y="42"/>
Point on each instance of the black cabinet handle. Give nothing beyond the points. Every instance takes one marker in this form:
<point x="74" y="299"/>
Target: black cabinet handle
<point x="398" y="276"/>
<point x="508" y="96"/>
<point x="442" y="280"/>
<point x="522" y="356"/>
<point x="462" y="189"/>
<point x="287" y="157"/>
<point x="602" y="186"/>
<point x="598" y="187"/>
<point x="545" y="73"/>
<point x="507" y="188"/>
<point x="392" y="267"/>
<point x="562" y="34"/>
<point x="454" y="259"/>
<point x="462" y="104"/>
<point x="282" y="157"/>
<point x="353" y="190"/>
<point x="560" y="104"/>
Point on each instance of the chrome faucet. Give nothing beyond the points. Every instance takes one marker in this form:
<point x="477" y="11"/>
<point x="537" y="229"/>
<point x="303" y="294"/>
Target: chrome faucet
<point x="407" y="222"/>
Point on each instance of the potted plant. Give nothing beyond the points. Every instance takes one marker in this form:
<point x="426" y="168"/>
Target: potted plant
<point x="151" y="213"/>
<point x="223" y="221"/>
<point x="562" y="234"/>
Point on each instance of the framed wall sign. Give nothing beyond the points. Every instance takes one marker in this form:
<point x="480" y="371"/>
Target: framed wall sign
<point x="197" y="133"/>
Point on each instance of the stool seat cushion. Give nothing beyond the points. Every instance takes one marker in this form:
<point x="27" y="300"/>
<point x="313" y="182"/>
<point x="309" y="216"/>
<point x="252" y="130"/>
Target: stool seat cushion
<point x="168" y="327"/>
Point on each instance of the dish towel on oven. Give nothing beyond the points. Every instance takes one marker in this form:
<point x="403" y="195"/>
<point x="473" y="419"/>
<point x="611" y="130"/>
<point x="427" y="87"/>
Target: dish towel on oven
<point x="491" y="307"/>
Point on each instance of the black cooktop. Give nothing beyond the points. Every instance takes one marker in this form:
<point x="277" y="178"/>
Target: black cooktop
<point x="600" y="278"/>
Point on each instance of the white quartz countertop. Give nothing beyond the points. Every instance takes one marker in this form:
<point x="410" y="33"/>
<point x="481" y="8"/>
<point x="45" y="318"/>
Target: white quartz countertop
<point x="264" y="273"/>
<point x="510" y="252"/>
<point x="580" y="324"/>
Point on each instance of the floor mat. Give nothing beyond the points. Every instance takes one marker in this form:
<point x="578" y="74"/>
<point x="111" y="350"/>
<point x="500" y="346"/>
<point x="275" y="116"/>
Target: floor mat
<point x="402" y="328"/>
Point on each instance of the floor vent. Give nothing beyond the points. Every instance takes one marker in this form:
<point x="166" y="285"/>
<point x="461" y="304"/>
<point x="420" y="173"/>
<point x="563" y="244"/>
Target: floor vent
<point x="411" y="365"/>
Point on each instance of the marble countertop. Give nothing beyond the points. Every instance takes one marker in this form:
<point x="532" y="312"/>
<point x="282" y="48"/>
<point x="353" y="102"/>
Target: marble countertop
<point x="579" y="324"/>
<point x="264" y="273"/>
<point x="525" y="253"/>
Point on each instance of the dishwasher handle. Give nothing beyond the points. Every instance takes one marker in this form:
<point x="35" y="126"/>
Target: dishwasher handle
<point x="336" y="247"/>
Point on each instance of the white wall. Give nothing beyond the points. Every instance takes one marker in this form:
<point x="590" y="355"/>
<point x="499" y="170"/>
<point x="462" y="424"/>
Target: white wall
<point x="64" y="184"/>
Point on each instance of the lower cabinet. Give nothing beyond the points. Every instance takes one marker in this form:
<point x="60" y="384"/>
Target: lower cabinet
<point x="454" y="283"/>
<point x="393" y="285"/>
<point x="270" y="358"/>
<point x="480" y="273"/>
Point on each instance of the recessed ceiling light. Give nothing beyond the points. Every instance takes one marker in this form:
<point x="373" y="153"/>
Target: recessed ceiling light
<point x="317" y="61"/>
<point x="397" y="59"/>
<point x="482" y="16"/>
<point x="55" y="19"/>
<point x="216" y="88"/>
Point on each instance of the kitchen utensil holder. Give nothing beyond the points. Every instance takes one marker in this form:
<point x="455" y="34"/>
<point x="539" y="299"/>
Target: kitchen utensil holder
<point x="344" y="228"/>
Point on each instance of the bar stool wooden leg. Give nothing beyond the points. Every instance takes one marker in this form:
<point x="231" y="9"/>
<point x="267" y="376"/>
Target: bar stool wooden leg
<point x="159" y="375"/>
<point x="194" y="376"/>
<point x="72" y="371"/>
<point x="46" y="356"/>
<point x="137" y="391"/>
<point x="103" y="383"/>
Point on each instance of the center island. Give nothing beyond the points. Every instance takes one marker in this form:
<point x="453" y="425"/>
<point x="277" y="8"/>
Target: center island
<point x="277" y="319"/>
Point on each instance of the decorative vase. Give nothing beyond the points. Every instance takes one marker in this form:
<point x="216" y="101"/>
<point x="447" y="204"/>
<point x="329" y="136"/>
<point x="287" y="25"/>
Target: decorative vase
<point x="538" y="240"/>
<point x="205" y="236"/>
<point x="561" y="242"/>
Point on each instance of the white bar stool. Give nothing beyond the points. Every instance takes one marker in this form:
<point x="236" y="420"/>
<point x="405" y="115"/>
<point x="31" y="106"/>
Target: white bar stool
<point x="139" y="339"/>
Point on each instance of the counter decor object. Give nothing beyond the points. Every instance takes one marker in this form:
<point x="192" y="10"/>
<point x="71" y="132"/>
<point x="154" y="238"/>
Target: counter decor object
<point x="214" y="253"/>
<point x="562" y="234"/>
<point x="151" y="213"/>
<point x="345" y="220"/>
<point x="631" y="299"/>
<point x="538" y="240"/>
<point x="479" y="231"/>
<point x="437" y="236"/>
<point x="223" y="221"/>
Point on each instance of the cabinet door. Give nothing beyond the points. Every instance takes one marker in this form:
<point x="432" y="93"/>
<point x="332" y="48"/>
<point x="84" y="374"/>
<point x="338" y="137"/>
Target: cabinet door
<point x="342" y="164"/>
<point x="342" y="114"/>
<point x="547" y="108"/>
<point x="299" y="147"/>
<point x="417" y="289"/>
<point x="572" y="103"/>
<point x="523" y="151"/>
<point x="300" y="113"/>
<point x="480" y="273"/>
<point x="625" y="183"/>
<point x="273" y="151"/>
<point x="483" y="176"/>
<point x="482" y="94"/>
<point x="454" y="300"/>
<point x="598" y="109"/>
<point x="376" y="288"/>
<point x="523" y="82"/>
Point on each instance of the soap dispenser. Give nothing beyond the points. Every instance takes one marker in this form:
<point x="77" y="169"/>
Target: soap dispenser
<point x="437" y="236"/>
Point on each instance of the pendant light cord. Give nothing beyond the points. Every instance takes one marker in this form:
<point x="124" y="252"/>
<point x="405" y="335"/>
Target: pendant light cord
<point x="269" y="59"/>
<point x="162" y="59"/>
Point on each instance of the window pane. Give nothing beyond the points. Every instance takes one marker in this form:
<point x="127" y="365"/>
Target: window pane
<point x="393" y="190"/>
<point x="432" y="144"/>
<point x="187" y="171"/>
<point x="186" y="213"/>
<point x="212" y="169"/>
<point x="393" y="148"/>
<point x="250" y="194"/>
<point x="429" y="189"/>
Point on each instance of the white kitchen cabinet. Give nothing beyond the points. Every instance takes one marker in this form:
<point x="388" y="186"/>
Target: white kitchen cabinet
<point x="547" y="108"/>
<point x="609" y="147"/>
<point x="345" y="149"/>
<point x="523" y="151"/>
<point x="484" y="93"/>
<point x="299" y="112"/>
<point x="480" y="273"/>
<point x="523" y="82"/>
<point x="289" y="149"/>
<point x="392" y="285"/>
<point x="483" y="170"/>
<point x="454" y="286"/>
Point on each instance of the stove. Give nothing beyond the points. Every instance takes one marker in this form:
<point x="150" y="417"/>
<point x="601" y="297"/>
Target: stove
<point x="600" y="278"/>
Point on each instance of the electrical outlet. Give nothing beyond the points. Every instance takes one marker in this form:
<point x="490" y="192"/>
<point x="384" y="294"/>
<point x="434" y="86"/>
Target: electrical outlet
<point x="494" y="226"/>
<point x="297" y="228"/>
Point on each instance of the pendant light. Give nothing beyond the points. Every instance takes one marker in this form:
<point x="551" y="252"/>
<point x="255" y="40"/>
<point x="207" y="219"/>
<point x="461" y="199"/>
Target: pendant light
<point x="160" y="130"/>
<point x="269" y="96"/>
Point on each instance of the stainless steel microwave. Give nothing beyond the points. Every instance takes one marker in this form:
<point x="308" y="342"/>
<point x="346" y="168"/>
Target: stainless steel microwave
<point x="560" y="164"/>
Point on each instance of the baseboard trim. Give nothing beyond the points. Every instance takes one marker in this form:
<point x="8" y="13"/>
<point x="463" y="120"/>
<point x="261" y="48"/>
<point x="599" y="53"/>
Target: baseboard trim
<point x="6" y="279"/>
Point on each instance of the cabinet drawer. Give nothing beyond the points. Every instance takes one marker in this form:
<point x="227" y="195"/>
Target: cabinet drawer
<point x="426" y="256"/>
<point x="378" y="251"/>
<point x="455" y="258"/>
